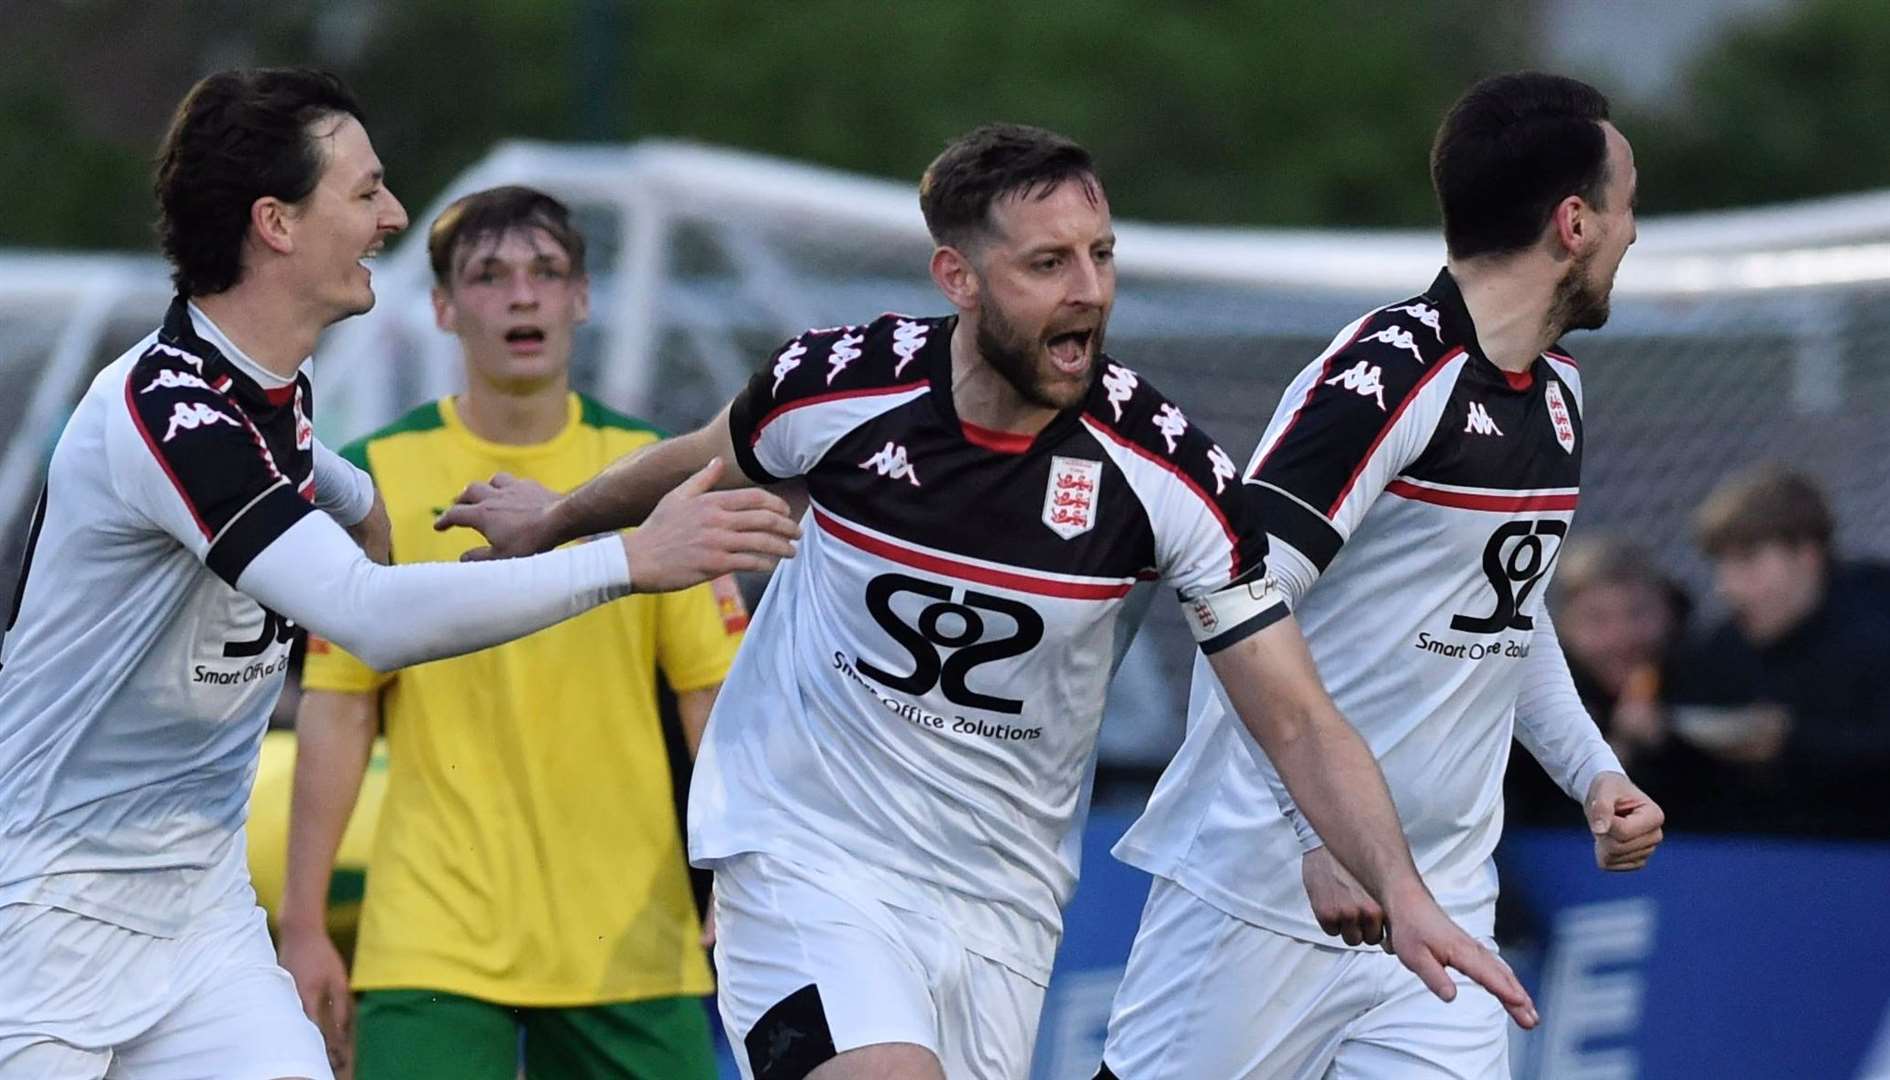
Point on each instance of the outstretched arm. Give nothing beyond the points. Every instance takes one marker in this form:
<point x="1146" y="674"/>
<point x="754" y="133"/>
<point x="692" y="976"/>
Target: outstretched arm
<point x="520" y="517"/>
<point x="393" y="616"/>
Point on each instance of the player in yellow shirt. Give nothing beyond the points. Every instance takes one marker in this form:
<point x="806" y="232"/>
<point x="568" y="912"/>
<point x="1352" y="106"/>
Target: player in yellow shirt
<point x="528" y="872"/>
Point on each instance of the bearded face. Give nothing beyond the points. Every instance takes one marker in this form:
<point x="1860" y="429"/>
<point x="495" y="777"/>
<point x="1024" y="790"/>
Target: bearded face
<point x="1051" y="368"/>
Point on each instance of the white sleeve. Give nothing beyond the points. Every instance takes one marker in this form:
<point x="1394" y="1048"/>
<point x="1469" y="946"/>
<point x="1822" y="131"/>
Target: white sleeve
<point x="345" y="492"/>
<point x="395" y="616"/>
<point x="1551" y="721"/>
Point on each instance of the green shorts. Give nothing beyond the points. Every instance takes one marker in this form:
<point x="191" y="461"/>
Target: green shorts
<point x="423" y="1035"/>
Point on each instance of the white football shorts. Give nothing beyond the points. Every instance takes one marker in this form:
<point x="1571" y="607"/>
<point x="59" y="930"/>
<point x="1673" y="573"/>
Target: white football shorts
<point x="811" y="965"/>
<point x="1207" y="994"/>
<point x="82" y="999"/>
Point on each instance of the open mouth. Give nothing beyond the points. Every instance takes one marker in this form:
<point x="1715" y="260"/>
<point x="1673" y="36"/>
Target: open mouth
<point x="1069" y="351"/>
<point x="525" y="338"/>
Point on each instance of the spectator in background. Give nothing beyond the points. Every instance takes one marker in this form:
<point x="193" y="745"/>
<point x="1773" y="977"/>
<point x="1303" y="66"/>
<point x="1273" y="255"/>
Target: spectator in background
<point x="1619" y="618"/>
<point x="528" y="871"/>
<point x="1789" y="691"/>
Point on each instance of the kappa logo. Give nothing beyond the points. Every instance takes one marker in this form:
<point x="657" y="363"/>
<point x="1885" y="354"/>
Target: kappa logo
<point x="171" y="350"/>
<point x="1398" y="338"/>
<point x="908" y="339"/>
<point x="1480" y="422"/>
<point x="891" y="462"/>
<point x="1425" y="314"/>
<point x="1120" y="382"/>
<point x="845" y="351"/>
<point x="789" y="359"/>
<point x="1223" y="466"/>
<point x="169" y="379"/>
<point x="190" y="415"/>
<point x="1172" y="425"/>
<point x="1363" y="379"/>
<point x="781" y="1040"/>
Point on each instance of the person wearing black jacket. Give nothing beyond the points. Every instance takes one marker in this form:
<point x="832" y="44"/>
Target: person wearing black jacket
<point x="1788" y="693"/>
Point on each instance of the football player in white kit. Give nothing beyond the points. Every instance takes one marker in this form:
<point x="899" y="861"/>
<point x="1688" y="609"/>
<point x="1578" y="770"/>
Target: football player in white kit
<point x="893" y="782"/>
<point x="1417" y="479"/>
<point x="176" y="546"/>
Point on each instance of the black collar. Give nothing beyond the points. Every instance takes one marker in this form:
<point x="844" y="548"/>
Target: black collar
<point x="180" y="333"/>
<point x="1447" y="298"/>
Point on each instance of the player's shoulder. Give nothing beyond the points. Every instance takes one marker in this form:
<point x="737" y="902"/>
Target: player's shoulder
<point x="166" y="369"/>
<point x="417" y="422"/>
<point x="1384" y="355"/>
<point x="888" y="352"/>
<point x="621" y="430"/>
<point x="1123" y="400"/>
<point x="1404" y="339"/>
<point x="169" y="391"/>
<point x="1133" y="412"/>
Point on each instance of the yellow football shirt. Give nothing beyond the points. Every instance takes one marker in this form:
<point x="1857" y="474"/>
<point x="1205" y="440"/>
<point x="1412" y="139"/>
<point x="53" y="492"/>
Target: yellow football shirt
<point x="528" y="851"/>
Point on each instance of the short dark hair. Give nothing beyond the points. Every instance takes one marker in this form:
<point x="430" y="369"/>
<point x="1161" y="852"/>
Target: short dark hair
<point x="495" y="212"/>
<point x="1511" y="149"/>
<point x="991" y="163"/>
<point x="238" y="136"/>
<point x="1766" y="504"/>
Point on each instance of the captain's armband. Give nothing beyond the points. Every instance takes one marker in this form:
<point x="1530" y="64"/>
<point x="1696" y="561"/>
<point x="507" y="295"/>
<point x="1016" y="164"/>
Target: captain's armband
<point x="1221" y="618"/>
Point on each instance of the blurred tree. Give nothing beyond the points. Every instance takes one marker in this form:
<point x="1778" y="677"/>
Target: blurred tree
<point x="1256" y="111"/>
<point x="1215" y="111"/>
<point x="1246" y="111"/>
<point x="1781" y="108"/>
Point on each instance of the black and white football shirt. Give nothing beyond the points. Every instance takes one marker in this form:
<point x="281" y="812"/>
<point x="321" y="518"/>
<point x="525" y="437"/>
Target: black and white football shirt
<point x="1417" y="497"/>
<point x="919" y="695"/>
<point x="135" y="680"/>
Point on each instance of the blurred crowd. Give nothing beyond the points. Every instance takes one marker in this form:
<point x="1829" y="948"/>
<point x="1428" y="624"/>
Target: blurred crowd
<point x="1771" y="717"/>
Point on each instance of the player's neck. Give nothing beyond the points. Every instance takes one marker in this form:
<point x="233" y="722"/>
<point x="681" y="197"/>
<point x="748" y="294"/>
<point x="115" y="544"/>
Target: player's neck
<point x="271" y="332"/>
<point x="1509" y="300"/>
<point x="983" y="397"/>
<point x="515" y="418"/>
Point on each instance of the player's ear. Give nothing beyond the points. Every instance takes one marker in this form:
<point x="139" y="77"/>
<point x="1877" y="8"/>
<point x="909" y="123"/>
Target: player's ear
<point x="955" y="276"/>
<point x="445" y="316"/>
<point x="1571" y="224"/>
<point x="272" y="221"/>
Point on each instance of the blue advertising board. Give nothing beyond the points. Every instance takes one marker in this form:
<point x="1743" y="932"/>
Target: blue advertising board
<point x="1728" y="958"/>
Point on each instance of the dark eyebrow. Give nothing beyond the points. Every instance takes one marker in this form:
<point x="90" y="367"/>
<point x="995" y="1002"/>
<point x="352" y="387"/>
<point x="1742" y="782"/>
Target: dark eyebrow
<point x="373" y="178"/>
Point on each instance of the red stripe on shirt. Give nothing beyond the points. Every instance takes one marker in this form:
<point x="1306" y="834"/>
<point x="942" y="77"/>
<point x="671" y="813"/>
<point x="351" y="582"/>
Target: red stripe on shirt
<point x="821" y="399"/>
<point x="1003" y="442"/>
<point x="1467" y="500"/>
<point x="1390" y="422"/>
<point x="138" y="422"/>
<point x="1004" y="579"/>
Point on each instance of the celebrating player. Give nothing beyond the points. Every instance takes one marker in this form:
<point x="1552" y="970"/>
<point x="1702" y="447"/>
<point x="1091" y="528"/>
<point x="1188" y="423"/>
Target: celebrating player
<point x="893" y="782"/>
<point x="1418" y="480"/>
<point x="176" y="546"/>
